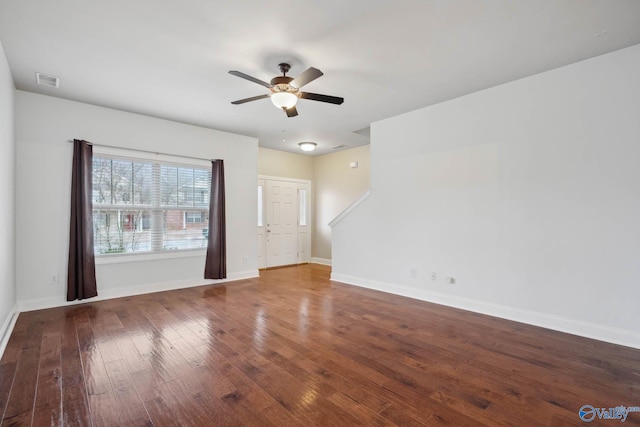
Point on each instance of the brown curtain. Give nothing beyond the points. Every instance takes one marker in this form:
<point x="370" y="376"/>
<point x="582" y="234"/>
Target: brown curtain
<point x="216" y="264"/>
<point x="81" y="278"/>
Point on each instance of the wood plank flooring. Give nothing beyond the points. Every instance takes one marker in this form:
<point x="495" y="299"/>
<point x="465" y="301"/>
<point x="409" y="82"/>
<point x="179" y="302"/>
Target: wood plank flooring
<point x="295" y="349"/>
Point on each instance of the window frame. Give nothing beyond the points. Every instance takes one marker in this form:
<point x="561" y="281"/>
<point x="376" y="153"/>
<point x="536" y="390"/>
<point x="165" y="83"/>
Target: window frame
<point x="156" y="205"/>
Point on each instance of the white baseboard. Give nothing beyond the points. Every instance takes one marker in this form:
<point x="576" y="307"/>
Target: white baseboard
<point x="39" y="304"/>
<point x="576" y="327"/>
<point x="322" y="261"/>
<point x="7" y="328"/>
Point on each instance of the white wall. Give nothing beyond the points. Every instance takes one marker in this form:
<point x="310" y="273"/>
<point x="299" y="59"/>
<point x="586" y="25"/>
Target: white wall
<point x="7" y="196"/>
<point x="528" y="194"/>
<point x="43" y="127"/>
<point x="284" y="164"/>
<point x="337" y="185"/>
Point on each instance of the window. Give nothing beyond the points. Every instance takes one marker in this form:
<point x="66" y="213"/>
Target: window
<point x="142" y="206"/>
<point x="193" y="217"/>
<point x="302" y="204"/>
<point x="260" y="204"/>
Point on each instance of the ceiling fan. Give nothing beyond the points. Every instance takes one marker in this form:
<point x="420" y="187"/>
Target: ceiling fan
<point x="285" y="90"/>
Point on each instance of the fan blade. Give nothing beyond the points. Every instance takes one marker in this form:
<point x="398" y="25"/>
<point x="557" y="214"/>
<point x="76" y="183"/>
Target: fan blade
<point x="321" y="98"/>
<point x="251" y="79"/>
<point x="253" y="98"/>
<point x="306" y="77"/>
<point x="291" y="112"/>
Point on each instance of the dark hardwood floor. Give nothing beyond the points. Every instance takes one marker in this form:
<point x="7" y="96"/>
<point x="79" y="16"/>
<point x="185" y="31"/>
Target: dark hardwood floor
<point x="294" y="349"/>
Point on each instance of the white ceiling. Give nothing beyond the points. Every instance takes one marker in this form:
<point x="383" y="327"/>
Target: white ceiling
<point x="170" y="59"/>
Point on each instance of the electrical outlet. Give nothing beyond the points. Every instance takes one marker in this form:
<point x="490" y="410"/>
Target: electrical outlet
<point x="414" y="273"/>
<point x="53" y="279"/>
<point x="434" y="276"/>
<point x="245" y="259"/>
<point x="451" y="280"/>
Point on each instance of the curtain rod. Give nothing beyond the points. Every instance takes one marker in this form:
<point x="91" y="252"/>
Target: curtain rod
<point x="147" y="151"/>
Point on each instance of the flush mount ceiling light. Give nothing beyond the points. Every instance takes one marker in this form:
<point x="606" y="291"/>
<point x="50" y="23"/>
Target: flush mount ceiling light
<point x="307" y="146"/>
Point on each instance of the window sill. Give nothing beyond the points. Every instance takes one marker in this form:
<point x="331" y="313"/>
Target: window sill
<point x="122" y="258"/>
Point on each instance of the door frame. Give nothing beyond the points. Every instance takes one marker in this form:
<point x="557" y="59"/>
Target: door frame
<point x="308" y="229"/>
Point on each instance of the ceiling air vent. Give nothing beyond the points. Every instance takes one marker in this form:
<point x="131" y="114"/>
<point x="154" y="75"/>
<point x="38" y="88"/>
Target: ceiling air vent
<point x="46" y="80"/>
<point x="337" y="147"/>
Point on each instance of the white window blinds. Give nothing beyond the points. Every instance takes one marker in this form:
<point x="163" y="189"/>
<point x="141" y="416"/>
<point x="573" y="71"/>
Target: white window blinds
<point x="147" y="206"/>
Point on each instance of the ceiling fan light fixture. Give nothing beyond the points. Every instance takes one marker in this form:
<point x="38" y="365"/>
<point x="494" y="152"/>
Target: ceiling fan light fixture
<point x="284" y="100"/>
<point x="307" y="146"/>
<point x="285" y="90"/>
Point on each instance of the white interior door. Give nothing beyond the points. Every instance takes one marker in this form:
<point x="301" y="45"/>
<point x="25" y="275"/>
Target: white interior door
<point x="281" y="232"/>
